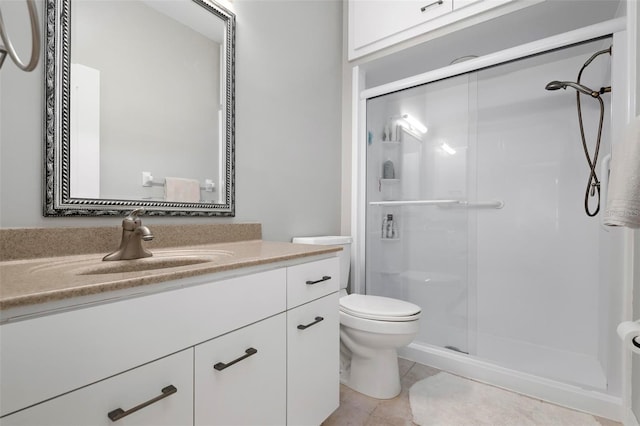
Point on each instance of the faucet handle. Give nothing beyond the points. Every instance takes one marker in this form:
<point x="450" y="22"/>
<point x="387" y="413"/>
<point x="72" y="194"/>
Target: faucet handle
<point x="133" y="215"/>
<point x="132" y="221"/>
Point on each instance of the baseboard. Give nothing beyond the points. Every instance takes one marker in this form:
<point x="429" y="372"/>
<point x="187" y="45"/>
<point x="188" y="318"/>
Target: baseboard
<point x="592" y="402"/>
<point x="630" y="419"/>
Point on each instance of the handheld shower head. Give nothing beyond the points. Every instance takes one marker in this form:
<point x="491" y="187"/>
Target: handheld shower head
<point x="593" y="185"/>
<point x="555" y="85"/>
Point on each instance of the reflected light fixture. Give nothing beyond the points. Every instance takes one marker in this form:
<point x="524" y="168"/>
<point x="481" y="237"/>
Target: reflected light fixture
<point x="414" y="123"/>
<point x="447" y="148"/>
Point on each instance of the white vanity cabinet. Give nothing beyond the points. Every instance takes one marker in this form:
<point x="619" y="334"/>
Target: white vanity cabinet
<point x="313" y="351"/>
<point x="376" y="24"/>
<point x="200" y="352"/>
<point x="50" y="355"/>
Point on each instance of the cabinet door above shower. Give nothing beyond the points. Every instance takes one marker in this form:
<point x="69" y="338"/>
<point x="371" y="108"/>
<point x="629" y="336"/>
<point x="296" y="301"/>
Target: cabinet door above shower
<point x="376" y="24"/>
<point x="377" y="21"/>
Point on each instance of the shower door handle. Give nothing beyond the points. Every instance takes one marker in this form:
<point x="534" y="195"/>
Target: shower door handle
<point x="605" y="168"/>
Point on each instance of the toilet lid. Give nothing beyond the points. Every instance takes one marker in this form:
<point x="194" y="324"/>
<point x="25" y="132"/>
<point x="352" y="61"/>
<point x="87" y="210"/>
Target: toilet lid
<point x="379" y="308"/>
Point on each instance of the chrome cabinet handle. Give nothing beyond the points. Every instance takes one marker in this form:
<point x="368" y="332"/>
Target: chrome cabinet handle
<point x="221" y="365"/>
<point x="435" y="3"/>
<point x="325" y="278"/>
<point x="303" y="327"/>
<point x="119" y="413"/>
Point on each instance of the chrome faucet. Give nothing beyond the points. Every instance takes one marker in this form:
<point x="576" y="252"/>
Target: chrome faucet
<point x="133" y="232"/>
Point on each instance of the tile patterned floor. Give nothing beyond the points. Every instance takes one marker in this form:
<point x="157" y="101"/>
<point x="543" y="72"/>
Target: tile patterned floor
<point x="360" y="410"/>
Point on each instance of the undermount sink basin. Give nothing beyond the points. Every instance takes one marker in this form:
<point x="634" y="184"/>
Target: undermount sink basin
<point x="146" y="264"/>
<point x="161" y="259"/>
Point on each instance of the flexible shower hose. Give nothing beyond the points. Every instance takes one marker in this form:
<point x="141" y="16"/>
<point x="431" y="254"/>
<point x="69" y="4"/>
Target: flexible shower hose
<point x="593" y="184"/>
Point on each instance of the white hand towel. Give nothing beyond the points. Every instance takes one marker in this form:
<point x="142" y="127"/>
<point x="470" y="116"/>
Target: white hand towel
<point x="623" y="199"/>
<point x="182" y="190"/>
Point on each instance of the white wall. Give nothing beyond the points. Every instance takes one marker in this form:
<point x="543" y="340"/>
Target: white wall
<point x="288" y="118"/>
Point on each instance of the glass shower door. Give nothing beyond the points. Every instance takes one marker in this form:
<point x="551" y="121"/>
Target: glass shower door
<point x="417" y="225"/>
<point x="488" y="231"/>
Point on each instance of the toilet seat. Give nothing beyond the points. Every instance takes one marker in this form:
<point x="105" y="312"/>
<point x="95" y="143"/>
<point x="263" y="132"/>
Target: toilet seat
<point x="379" y="308"/>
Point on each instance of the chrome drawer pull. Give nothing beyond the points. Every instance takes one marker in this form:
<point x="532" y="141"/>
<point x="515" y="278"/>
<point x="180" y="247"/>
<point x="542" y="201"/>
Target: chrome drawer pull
<point x="119" y="413"/>
<point x="435" y="3"/>
<point x="303" y="327"/>
<point x="221" y="365"/>
<point x="325" y="278"/>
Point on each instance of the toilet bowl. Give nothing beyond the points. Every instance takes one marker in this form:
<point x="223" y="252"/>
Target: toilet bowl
<point x="372" y="328"/>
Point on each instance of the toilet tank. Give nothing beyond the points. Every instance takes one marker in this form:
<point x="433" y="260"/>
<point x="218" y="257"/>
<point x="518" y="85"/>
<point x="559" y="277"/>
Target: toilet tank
<point x="344" y="255"/>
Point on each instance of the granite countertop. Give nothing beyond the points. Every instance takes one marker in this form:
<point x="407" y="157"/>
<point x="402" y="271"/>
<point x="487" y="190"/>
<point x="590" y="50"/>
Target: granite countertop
<point x="40" y="280"/>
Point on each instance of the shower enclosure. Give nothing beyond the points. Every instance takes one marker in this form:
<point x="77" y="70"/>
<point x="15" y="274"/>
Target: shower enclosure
<point x="482" y="176"/>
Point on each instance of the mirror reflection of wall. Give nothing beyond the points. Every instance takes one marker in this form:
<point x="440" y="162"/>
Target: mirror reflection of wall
<point x="159" y="106"/>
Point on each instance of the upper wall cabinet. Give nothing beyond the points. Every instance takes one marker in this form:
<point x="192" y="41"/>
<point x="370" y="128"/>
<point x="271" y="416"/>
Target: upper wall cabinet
<point x="376" y="24"/>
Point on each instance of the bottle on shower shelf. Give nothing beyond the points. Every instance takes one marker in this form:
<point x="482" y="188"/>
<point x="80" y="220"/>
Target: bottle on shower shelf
<point x="386" y="133"/>
<point x="389" y="230"/>
<point x="388" y="171"/>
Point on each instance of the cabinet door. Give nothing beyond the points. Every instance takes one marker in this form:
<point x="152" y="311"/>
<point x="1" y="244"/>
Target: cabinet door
<point x="240" y="378"/>
<point x="374" y="20"/>
<point x="377" y="24"/>
<point x="156" y="394"/>
<point x="313" y="357"/>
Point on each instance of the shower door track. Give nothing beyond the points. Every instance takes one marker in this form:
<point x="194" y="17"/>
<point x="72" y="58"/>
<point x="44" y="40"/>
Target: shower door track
<point x="537" y="47"/>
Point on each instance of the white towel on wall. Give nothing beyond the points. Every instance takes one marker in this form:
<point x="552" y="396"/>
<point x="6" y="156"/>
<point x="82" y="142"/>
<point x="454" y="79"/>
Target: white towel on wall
<point x="623" y="199"/>
<point x="181" y="190"/>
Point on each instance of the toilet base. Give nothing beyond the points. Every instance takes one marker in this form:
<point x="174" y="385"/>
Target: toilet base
<point x="375" y="376"/>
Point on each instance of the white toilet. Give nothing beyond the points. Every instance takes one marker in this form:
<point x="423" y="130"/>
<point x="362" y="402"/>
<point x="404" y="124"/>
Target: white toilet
<point x="372" y="328"/>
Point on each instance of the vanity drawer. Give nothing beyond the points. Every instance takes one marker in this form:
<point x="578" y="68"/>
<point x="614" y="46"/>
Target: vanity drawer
<point x="240" y="378"/>
<point x="312" y="280"/>
<point x="47" y="356"/>
<point x="170" y="377"/>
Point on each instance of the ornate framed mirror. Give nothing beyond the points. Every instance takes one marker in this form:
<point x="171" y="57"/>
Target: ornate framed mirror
<point x="139" y="108"/>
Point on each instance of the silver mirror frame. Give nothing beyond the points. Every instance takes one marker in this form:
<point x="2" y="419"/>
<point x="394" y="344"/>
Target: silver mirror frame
<point x="57" y="199"/>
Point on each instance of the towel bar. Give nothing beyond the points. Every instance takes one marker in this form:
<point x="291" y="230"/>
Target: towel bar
<point x="147" y="180"/>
